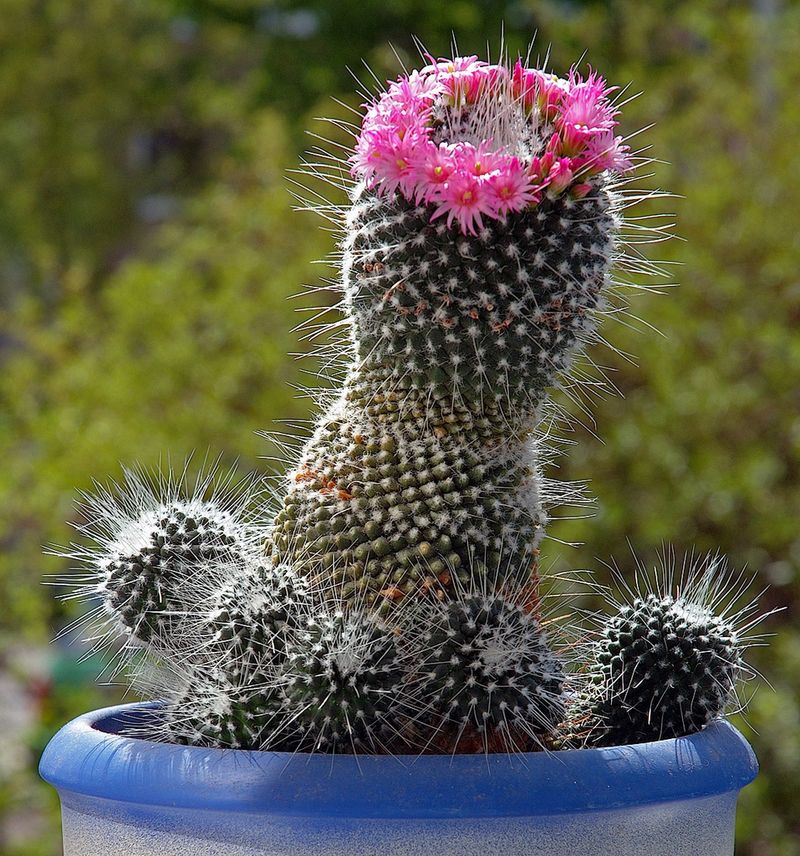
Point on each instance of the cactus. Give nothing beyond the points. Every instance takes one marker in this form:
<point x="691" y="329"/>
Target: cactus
<point x="209" y="709"/>
<point x="392" y="601"/>
<point x="342" y="682"/>
<point x="484" y="672"/>
<point x="459" y="324"/>
<point x="668" y="659"/>
<point x="155" y="543"/>
<point x="249" y="618"/>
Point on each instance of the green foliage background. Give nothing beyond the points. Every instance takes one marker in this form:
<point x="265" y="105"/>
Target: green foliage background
<point x="147" y="251"/>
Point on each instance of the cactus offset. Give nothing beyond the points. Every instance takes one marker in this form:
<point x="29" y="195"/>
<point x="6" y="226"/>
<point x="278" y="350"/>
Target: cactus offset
<point x="342" y="682"/>
<point x="666" y="662"/>
<point x="250" y="618"/>
<point x="211" y="710"/>
<point x="158" y="543"/>
<point x="484" y="671"/>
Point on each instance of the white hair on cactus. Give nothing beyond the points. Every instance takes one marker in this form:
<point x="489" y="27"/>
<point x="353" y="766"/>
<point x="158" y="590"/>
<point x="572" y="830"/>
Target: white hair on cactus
<point x="341" y="682"/>
<point x="669" y="658"/>
<point x="152" y="543"/>
<point x="488" y="671"/>
<point x="202" y="706"/>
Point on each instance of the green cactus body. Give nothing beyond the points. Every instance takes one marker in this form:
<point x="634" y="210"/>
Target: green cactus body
<point x="152" y="576"/>
<point x="247" y="620"/>
<point x="426" y="463"/>
<point x="663" y="667"/>
<point x="392" y="602"/>
<point x="341" y="681"/>
<point x="483" y="666"/>
<point x="212" y="711"/>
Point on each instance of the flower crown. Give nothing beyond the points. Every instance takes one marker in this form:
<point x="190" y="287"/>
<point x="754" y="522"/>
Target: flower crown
<point x="475" y="139"/>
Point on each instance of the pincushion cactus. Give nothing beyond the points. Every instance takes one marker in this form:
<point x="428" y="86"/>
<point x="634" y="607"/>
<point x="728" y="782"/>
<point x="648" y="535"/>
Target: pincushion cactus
<point x="249" y="617"/>
<point x="154" y="543"/>
<point x="391" y="601"/>
<point x="475" y="255"/>
<point x="668" y="659"/>
<point x="211" y="710"/>
<point x="342" y="683"/>
<point x="485" y="672"/>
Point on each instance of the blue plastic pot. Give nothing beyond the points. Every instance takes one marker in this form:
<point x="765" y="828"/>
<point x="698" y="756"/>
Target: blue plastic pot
<point x="131" y="797"/>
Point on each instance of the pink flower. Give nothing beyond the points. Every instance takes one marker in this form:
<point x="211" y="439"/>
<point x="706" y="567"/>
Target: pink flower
<point x="368" y="152"/>
<point x="425" y="87"/>
<point x="399" y="114"/>
<point x="433" y="170"/>
<point x="393" y="161"/>
<point x="540" y="167"/>
<point x="459" y="65"/>
<point x="387" y="146"/>
<point x="511" y="188"/>
<point x="395" y="150"/>
<point x="560" y="175"/>
<point x="593" y="82"/>
<point x="480" y="161"/>
<point x="538" y="89"/>
<point x="489" y="78"/>
<point x="585" y="112"/>
<point x="465" y="79"/>
<point x="604" y="151"/>
<point x="465" y="198"/>
<point x="580" y="190"/>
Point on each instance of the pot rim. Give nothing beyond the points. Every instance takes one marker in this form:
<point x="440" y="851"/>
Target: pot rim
<point x="89" y="756"/>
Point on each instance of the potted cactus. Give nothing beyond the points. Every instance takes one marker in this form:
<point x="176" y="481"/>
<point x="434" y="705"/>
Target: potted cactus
<point x="372" y="665"/>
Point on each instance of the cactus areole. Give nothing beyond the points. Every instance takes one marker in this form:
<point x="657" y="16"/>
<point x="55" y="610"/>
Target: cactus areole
<point x="387" y="600"/>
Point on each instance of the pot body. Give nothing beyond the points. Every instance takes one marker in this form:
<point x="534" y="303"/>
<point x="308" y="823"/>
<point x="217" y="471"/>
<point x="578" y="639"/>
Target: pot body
<point x="131" y="797"/>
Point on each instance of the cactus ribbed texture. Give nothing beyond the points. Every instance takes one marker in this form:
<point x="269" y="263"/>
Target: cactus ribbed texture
<point x="484" y="668"/>
<point x="666" y="668"/>
<point x="152" y="581"/>
<point x="341" y="683"/>
<point x="250" y="617"/>
<point x="212" y="711"/>
<point x="158" y="545"/>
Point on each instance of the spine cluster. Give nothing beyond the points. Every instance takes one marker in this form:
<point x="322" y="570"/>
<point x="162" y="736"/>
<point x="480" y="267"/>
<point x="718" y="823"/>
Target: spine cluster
<point x="390" y="602"/>
<point x="664" y="669"/>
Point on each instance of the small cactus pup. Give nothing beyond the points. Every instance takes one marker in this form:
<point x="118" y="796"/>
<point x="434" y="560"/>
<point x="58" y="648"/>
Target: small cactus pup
<point x="248" y="619"/>
<point x="342" y="682"/>
<point x="154" y="543"/>
<point x="475" y="257"/>
<point x="669" y="657"/>
<point x="272" y="663"/>
<point x="483" y="675"/>
<point x="208" y="707"/>
<point x="179" y="570"/>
